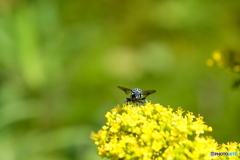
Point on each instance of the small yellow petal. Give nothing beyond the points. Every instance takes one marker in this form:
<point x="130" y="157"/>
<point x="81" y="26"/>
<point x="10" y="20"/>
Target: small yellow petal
<point x="217" y="56"/>
<point x="210" y="62"/>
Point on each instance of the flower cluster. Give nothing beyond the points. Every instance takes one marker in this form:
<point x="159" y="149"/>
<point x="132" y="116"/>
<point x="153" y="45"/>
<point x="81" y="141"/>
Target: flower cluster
<point x="228" y="59"/>
<point x="153" y="132"/>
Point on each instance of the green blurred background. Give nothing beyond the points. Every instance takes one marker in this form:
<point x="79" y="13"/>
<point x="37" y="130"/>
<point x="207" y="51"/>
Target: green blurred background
<point x="60" y="63"/>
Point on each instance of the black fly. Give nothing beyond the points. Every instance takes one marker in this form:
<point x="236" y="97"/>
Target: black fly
<point x="138" y="96"/>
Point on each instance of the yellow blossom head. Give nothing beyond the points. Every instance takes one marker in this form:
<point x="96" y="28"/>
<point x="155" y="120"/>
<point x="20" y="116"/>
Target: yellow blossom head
<point x="152" y="131"/>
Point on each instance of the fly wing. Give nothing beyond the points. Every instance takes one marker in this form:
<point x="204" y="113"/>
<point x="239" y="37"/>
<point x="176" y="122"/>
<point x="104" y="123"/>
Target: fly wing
<point x="126" y="90"/>
<point x="148" y="92"/>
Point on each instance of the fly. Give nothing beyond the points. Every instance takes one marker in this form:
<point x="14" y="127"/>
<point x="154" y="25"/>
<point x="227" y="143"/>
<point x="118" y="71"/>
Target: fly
<point x="138" y="96"/>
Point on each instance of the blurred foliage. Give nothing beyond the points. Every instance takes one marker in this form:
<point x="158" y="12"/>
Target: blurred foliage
<point x="61" y="62"/>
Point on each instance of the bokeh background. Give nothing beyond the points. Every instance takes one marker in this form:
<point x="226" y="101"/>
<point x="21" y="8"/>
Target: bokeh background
<point x="60" y="63"/>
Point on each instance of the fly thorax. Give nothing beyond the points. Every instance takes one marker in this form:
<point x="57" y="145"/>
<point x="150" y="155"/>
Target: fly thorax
<point x="136" y="93"/>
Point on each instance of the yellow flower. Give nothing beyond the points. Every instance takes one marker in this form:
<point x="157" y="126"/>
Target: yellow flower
<point x="217" y="56"/>
<point x="152" y="132"/>
<point x="210" y="62"/>
<point x="236" y="68"/>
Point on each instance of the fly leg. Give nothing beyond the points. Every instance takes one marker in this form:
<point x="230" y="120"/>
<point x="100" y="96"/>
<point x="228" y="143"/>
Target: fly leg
<point x="143" y="101"/>
<point x="128" y="100"/>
